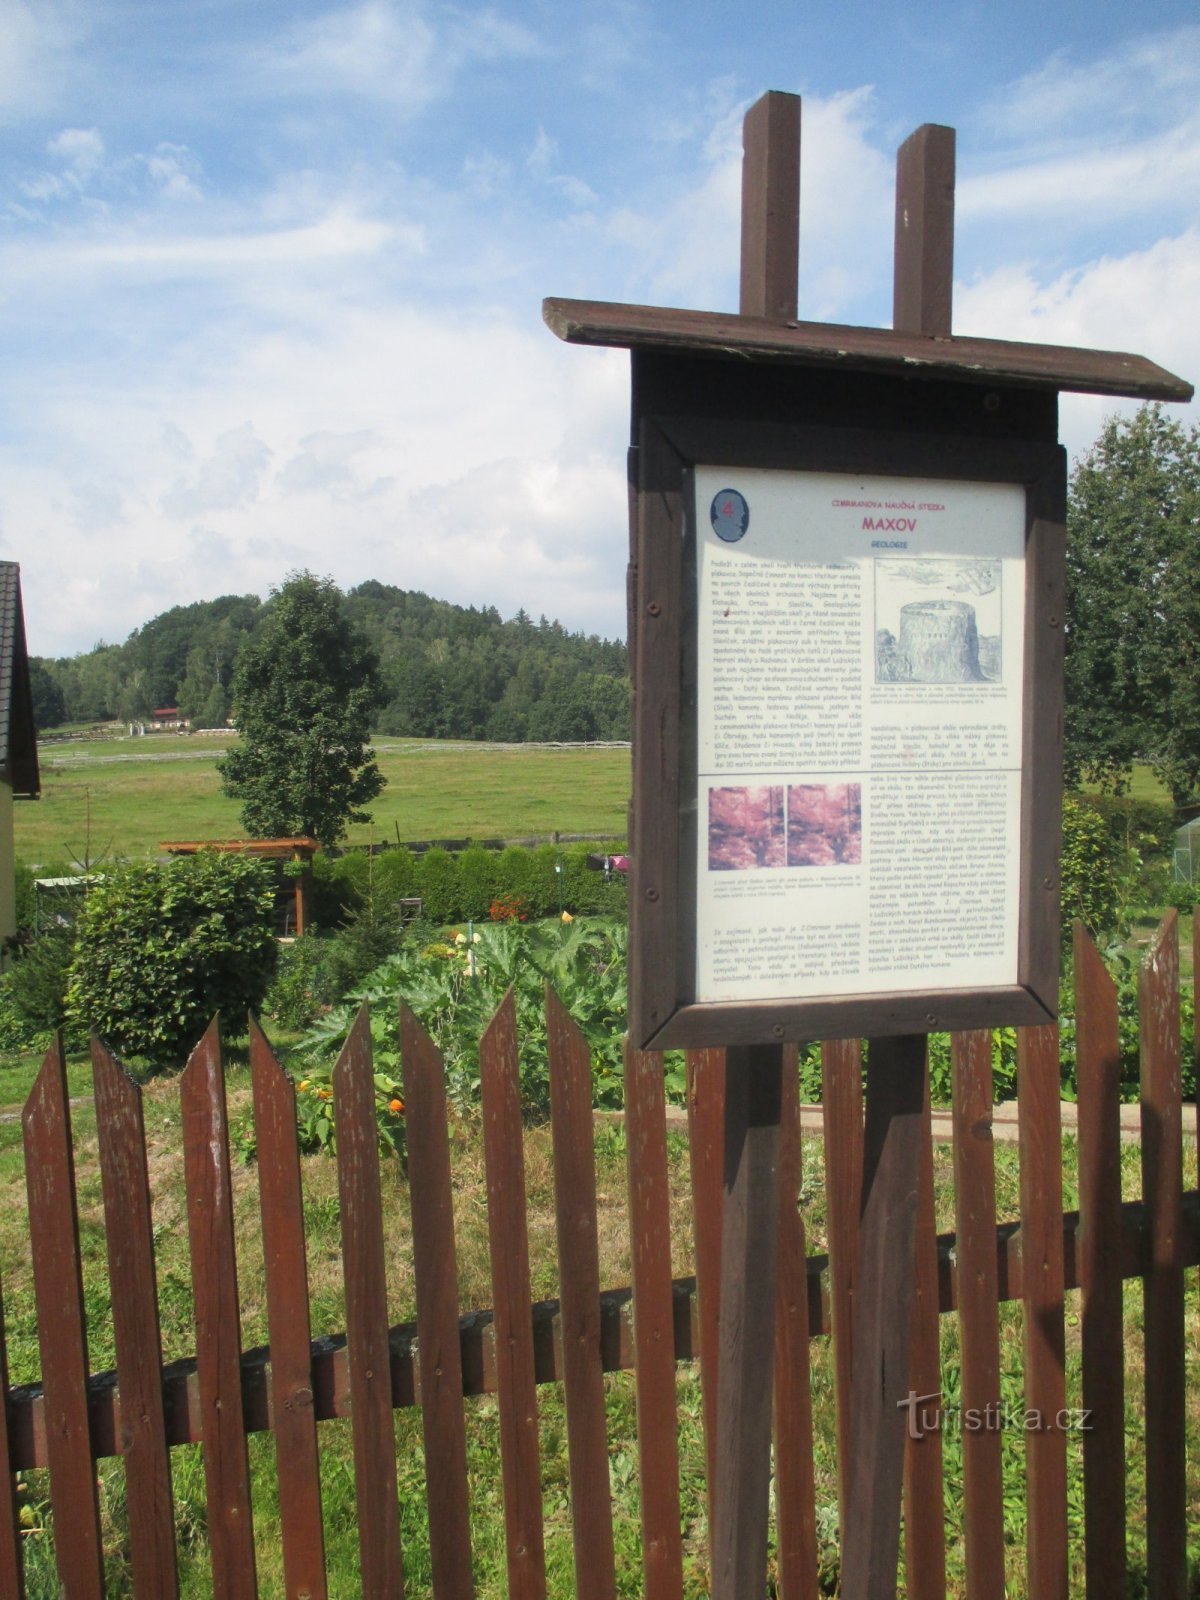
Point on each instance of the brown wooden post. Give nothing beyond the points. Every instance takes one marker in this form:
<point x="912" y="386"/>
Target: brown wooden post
<point x="754" y="1073"/>
<point x="881" y="1404"/>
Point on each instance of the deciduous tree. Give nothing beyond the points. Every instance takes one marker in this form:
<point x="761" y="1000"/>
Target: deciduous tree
<point x="1133" y="604"/>
<point x="304" y="690"/>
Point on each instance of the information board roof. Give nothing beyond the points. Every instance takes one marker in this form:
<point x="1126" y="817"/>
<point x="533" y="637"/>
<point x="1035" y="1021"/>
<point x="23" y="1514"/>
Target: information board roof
<point x="875" y="350"/>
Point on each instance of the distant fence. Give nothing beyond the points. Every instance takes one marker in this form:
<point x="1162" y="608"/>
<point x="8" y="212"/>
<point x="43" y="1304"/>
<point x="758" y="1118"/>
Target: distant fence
<point x="143" y="1409"/>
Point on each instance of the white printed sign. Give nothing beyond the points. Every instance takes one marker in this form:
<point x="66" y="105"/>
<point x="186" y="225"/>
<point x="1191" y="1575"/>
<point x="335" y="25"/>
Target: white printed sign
<point x="859" y="738"/>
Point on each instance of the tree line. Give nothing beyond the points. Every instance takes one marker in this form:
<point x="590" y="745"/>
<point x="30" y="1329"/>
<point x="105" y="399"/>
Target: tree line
<point x="447" y="671"/>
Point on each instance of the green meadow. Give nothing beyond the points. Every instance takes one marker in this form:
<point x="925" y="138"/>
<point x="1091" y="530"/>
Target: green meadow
<point x="124" y="797"/>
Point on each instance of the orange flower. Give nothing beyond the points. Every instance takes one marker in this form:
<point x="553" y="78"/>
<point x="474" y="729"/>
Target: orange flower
<point x="396" y="1107"/>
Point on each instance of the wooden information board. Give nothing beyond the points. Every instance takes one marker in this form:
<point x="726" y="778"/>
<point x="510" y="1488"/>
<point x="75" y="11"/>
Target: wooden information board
<point x="849" y="705"/>
<point x="846" y="631"/>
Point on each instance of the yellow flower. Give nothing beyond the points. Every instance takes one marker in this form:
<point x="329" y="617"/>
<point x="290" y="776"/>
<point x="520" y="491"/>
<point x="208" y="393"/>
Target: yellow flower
<point x="460" y="938"/>
<point x="303" y="1085"/>
<point x="567" y="917"/>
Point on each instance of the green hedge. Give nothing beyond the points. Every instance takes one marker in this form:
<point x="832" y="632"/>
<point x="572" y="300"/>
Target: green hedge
<point x="1147" y="826"/>
<point x="463" y="887"/>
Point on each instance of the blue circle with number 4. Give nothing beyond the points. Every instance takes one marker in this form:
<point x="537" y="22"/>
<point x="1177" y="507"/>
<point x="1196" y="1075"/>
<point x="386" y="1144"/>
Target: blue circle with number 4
<point x="730" y="515"/>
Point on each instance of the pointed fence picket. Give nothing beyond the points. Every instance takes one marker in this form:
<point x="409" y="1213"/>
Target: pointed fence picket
<point x="71" y="1420"/>
<point x="131" y="1275"/>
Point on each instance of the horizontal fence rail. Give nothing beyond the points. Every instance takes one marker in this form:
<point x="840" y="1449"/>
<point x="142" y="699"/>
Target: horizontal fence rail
<point x="476" y="1331"/>
<point x="221" y="1395"/>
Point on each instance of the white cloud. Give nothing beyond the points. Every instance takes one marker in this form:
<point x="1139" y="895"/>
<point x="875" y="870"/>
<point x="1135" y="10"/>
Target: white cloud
<point x="1144" y="302"/>
<point x="689" y="247"/>
<point x="226" y="479"/>
<point x="325" y="463"/>
<point x="400" y="53"/>
<point x="81" y="149"/>
<point x="376" y="50"/>
<point x="84" y="172"/>
<point x="335" y="237"/>
<point x="36" y="42"/>
<point x="470" y="458"/>
<point x="1118" y="180"/>
<point x="174" y="171"/>
<point x="1146" y="80"/>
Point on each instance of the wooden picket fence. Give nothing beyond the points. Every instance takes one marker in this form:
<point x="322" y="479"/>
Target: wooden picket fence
<point x="144" y="1409"/>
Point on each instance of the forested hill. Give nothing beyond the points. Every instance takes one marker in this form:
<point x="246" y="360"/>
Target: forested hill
<point x="451" y="672"/>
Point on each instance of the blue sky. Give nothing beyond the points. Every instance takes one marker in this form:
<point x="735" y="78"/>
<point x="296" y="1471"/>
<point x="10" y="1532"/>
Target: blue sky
<point x="271" y="275"/>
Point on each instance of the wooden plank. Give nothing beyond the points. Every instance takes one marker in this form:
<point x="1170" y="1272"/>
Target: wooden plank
<point x="508" y="1239"/>
<point x="771" y="207"/>
<point x="1162" y="1189"/>
<point x="706" y="1140"/>
<point x="381" y="1563"/>
<point x="579" y="1289"/>
<point x="923" y="277"/>
<point x="795" y="1483"/>
<point x="924" y="1489"/>
<point x="654" y="870"/>
<point x="435" y="1267"/>
<point x="653" y="1323"/>
<point x="62" y="1328"/>
<point x="841" y="1096"/>
<point x="753" y="1091"/>
<point x="831" y="346"/>
<point x="1098" y="1069"/>
<point x="1039" y="941"/>
<point x="978" y="1289"/>
<point x="883" y="1316"/>
<point x="129" y="1235"/>
<point x="285" y="1259"/>
<point x="1040" y="1134"/>
<point x="218" y="1319"/>
<point x="695" y="1026"/>
<point x="12" y="1577"/>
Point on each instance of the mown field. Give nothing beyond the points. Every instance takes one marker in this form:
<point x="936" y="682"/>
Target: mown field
<point x="125" y="796"/>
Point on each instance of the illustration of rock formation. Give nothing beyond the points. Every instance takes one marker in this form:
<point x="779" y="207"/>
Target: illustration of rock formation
<point x="939" y="642"/>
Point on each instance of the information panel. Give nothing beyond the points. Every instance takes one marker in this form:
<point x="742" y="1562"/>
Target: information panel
<point x="859" y="662"/>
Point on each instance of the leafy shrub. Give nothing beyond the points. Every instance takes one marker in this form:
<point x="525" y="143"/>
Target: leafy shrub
<point x="1133" y="823"/>
<point x="437" y="880"/>
<point x="584" y="961"/>
<point x="1094" y="866"/>
<point x="35" y="987"/>
<point x="464" y="886"/>
<point x="335" y="891"/>
<point x="476" y="883"/>
<point x="395" y="877"/>
<point x="160" y="948"/>
<point x="304" y="982"/>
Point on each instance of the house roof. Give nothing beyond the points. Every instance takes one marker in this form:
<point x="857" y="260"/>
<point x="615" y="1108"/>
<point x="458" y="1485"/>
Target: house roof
<point x="18" y="736"/>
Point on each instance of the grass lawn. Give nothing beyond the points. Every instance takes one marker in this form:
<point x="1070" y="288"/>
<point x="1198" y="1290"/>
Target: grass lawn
<point x="321" y="1208"/>
<point x="124" y="796"/>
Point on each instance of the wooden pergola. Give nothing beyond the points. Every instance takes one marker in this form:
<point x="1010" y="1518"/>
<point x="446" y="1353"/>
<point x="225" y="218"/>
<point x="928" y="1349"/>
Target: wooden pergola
<point x="301" y="849"/>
